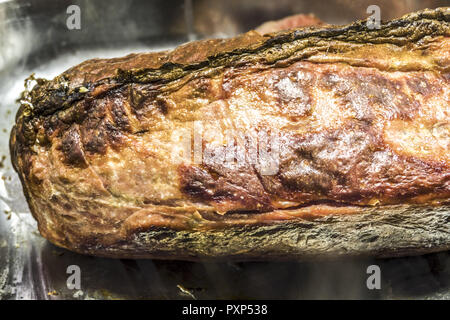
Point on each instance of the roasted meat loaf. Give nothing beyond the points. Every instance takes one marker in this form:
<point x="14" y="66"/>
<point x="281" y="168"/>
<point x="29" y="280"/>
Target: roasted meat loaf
<point x="312" y="142"/>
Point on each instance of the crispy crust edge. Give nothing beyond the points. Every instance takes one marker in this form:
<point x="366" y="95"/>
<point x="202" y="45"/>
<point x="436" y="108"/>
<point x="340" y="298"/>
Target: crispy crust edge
<point x="393" y="231"/>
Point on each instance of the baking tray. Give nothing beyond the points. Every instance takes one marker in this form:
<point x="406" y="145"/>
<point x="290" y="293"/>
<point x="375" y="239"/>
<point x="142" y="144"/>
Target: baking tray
<point x="34" y="38"/>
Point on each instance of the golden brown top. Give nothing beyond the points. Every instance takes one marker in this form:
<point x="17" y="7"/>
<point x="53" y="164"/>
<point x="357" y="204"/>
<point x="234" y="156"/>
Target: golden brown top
<point x="354" y="117"/>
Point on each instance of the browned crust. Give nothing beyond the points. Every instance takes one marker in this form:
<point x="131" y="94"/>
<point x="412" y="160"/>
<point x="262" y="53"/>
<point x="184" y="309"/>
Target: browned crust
<point x="291" y="22"/>
<point x="85" y="142"/>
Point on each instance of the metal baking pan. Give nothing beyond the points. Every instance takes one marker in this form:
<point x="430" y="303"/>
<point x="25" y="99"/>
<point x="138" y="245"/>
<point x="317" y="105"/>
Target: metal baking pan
<point x="36" y="36"/>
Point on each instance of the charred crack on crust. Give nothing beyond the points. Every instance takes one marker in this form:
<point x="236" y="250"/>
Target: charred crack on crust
<point x="47" y="97"/>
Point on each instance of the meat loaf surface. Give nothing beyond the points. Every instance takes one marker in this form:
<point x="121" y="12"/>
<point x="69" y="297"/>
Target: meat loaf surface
<point x="312" y="142"/>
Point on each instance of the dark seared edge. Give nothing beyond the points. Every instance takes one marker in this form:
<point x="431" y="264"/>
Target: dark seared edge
<point x="397" y="231"/>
